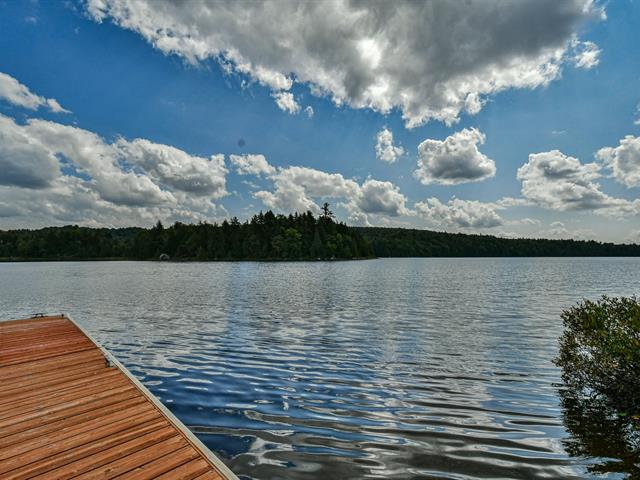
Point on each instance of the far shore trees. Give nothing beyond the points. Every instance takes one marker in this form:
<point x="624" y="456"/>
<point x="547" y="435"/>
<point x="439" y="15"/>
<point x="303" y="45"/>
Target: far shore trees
<point x="267" y="236"/>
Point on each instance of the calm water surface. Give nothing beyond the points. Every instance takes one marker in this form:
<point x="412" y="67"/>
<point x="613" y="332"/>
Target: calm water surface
<point x="393" y="368"/>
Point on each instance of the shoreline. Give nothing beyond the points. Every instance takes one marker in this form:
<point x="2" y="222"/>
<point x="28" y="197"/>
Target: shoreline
<point x="294" y="260"/>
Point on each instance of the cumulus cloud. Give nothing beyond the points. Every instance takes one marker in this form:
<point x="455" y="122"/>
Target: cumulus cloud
<point x="454" y="160"/>
<point x="298" y="188"/>
<point x="91" y="155"/>
<point x="252" y="165"/>
<point x="633" y="237"/>
<point x="308" y="110"/>
<point x="385" y="149"/>
<point x="431" y="60"/>
<point x="459" y="213"/>
<point x="295" y="188"/>
<point x="12" y="91"/>
<point x="623" y="160"/>
<point x="557" y="181"/>
<point x="55" y="173"/>
<point x="558" y="230"/>
<point x="175" y="168"/>
<point x="286" y="102"/>
<point x="379" y="197"/>
<point x="473" y="103"/>
<point x="24" y="161"/>
<point x="70" y="200"/>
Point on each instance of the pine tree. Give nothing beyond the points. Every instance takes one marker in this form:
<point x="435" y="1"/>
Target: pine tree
<point x="326" y="213"/>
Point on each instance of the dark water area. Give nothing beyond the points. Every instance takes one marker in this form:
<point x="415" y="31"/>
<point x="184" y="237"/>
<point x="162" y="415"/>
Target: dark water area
<point x="390" y="368"/>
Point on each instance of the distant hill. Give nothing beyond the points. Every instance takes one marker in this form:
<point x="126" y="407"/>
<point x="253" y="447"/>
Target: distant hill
<point x="279" y="237"/>
<point x="401" y="242"/>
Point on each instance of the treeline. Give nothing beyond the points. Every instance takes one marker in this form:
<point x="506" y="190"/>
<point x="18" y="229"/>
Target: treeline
<point x="265" y="237"/>
<point x="70" y="242"/>
<point x="400" y="242"/>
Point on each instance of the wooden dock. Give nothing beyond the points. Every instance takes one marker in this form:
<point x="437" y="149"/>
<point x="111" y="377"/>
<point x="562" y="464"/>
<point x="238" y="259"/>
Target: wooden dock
<point x="69" y="409"/>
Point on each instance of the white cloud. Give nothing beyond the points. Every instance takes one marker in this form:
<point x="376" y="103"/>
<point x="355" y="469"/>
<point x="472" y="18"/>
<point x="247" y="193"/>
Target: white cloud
<point x="286" y="102"/>
<point x="70" y="200"/>
<point x="506" y="202"/>
<point x="623" y="160"/>
<point x="175" y="168"/>
<point x="24" y="161"/>
<point x="377" y="197"/>
<point x="52" y="173"/>
<point x="473" y="103"/>
<point x="587" y="55"/>
<point x="454" y="160"/>
<point x="252" y="165"/>
<point x="385" y="149"/>
<point x="90" y="155"/>
<point x="558" y="230"/>
<point x="296" y="189"/>
<point x="633" y="237"/>
<point x="459" y="213"/>
<point x="431" y="60"/>
<point x="12" y="91"/>
<point x="527" y="221"/>
<point x="308" y="110"/>
<point x="559" y="182"/>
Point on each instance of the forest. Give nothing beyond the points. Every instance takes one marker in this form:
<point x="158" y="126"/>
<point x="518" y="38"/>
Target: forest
<point x="267" y="236"/>
<point x="401" y="242"/>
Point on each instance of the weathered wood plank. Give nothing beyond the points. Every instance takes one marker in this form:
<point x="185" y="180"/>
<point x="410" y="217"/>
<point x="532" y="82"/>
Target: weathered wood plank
<point x="70" y="392"/>
<point x="69" y="410"/>
<point x="50" y="364"/>
<point x="116" y="443"/>
<point x="161" y="465"/>
<point x="74" y="417"/>
<point x="85" y="463"/>
<point x="107" y="422"/>
<point x="63" y="444"/>
<point x="188" y="471"/>
<point x="134" y="460"/>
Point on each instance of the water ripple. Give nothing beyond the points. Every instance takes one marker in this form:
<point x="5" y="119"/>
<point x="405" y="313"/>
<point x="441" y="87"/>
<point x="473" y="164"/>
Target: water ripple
<point x="416" y="368"/>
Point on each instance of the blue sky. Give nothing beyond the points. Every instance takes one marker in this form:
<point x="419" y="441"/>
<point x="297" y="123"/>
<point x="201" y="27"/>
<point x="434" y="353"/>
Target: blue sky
<point x="154" y="96"/>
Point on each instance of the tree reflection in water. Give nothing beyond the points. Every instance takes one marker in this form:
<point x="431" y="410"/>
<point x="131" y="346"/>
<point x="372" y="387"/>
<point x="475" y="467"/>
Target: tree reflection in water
<point x="607" y="440"/>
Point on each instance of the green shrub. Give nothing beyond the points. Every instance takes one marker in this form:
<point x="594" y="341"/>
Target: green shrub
<point x="600" y="351"/>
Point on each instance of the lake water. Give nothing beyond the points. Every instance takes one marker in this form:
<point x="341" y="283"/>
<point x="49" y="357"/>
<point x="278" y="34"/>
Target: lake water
<point x="391" y="368"/>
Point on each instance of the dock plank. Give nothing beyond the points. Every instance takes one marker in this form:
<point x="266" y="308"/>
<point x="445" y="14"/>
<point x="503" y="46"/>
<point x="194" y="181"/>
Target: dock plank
<point x="141" y="457"/>
<point x="72" y="418"/>
<point x="68" y="409"/>
<point x="160" y="466"/>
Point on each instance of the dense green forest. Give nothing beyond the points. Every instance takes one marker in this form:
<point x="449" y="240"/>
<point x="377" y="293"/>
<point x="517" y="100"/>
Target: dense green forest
<point x="401" y="242"/>
<point x="267" y="236"/>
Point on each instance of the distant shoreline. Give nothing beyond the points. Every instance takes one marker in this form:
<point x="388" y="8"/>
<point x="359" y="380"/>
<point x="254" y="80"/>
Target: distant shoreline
<point x="289" y="260"/>
<point x="268" y="237"/>
<point x="182" y="260"/>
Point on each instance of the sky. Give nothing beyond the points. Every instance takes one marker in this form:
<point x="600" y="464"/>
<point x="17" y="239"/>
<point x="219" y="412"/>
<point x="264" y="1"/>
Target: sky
<point x="517" y="119"/>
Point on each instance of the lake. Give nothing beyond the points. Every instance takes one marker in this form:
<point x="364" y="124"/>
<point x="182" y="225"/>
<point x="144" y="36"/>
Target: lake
<point x="390" y="368"/>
